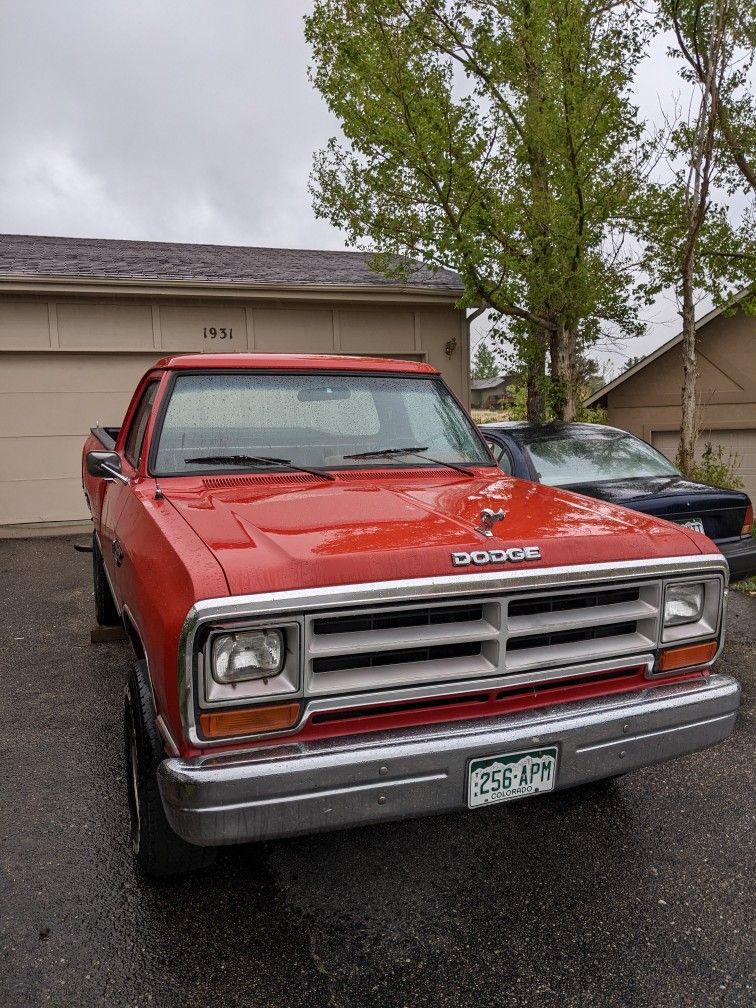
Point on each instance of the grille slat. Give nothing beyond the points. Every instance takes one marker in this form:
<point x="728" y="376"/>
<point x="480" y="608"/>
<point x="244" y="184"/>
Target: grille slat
<point x="571" y="636"/>
<point x="402" y="673"/>
<point x="393" y="646"/>
<point x="400" y="618"/>
<point x="399" y="656"/>
<point x="561" y="654"/>
<point x="388" y="640"/>
<point x="572" y="601"/>
<point x="599" y="616"/>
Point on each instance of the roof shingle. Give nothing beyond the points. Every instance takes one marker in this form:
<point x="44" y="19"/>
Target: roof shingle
<point x="106" y="258"/>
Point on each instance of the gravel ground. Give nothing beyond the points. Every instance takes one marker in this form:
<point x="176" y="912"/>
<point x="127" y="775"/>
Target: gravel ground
<point x="636" y="893"/>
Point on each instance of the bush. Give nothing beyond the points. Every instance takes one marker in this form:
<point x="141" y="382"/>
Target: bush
<point x="716" y="468"/>
<point x="594" y="414"/>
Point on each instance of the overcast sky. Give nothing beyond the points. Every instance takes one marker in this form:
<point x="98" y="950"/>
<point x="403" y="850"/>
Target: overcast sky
<point x="177" y="120"/>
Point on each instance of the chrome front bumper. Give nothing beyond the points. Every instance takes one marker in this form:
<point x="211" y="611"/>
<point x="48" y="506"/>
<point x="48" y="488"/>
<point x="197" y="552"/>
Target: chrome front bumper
<point x="309" y="787"/>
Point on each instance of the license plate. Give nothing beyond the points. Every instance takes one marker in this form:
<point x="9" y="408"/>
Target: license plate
<point x="501" y="778"/>
<point x="693" y="523"/>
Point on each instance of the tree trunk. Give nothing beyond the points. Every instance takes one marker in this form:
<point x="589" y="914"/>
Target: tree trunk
<point x="536" y="377"/>
<point x="563" y="366"/>
<point x="688" y="424"/>
<point x="572" y="382"/>
<point x="540" y="236"/>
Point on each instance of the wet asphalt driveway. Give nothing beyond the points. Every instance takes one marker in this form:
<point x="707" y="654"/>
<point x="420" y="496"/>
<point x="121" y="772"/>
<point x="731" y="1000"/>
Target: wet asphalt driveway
<point x="637" y="893"/>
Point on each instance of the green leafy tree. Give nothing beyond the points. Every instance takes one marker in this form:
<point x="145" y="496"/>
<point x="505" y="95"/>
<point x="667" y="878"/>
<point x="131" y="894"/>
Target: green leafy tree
<point x="694" y="245"/>
<point x="708" y="34"/>
<point x="496" y="137"/>
<point x="484" y="364"/>
<point x="590" y="377"/>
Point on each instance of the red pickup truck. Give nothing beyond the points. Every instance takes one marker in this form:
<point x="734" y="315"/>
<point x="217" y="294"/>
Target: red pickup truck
<point x="343" y="612"/>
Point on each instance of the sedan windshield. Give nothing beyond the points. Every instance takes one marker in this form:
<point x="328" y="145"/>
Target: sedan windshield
<point x="565" y="461"/>
<point x="312" y="420"/>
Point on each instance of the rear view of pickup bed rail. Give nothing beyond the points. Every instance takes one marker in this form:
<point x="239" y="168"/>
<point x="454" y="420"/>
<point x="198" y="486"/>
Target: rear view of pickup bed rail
<point x="343" y="611"/>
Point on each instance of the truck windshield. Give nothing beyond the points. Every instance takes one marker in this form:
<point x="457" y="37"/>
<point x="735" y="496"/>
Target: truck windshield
<point x="313" y="420"/>
<point x="565" y="461"/>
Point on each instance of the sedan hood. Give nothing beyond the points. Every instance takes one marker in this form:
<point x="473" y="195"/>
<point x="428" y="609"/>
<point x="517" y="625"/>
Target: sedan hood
<point x="285" y="531"/>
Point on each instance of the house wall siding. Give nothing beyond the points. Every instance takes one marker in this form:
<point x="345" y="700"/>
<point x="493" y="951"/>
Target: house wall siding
<point x="648" y="403"/>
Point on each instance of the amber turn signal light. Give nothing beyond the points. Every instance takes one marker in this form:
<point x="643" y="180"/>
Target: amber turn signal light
<point x="686" y="655"/>
<point x="249" y="720"/>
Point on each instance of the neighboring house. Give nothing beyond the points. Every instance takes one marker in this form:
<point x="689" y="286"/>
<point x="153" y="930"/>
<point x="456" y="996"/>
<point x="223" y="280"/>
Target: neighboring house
<point x="488" y="392"/>
<point x="646" y="399"/>
<point x="82" y="319"/>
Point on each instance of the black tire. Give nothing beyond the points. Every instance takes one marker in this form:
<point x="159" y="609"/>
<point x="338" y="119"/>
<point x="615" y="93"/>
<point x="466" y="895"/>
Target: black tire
<point x="158" y="851"/>
<point x="105" y="607"/>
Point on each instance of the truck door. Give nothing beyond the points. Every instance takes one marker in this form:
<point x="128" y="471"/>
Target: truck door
<point x="117" y="494"/>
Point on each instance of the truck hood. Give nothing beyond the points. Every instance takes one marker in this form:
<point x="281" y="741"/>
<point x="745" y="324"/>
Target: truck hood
<point x="285" y="531"/>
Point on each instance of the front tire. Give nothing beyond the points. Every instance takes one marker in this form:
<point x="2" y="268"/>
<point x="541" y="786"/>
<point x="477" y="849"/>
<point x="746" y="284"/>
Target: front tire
<point x="157" y="850"/>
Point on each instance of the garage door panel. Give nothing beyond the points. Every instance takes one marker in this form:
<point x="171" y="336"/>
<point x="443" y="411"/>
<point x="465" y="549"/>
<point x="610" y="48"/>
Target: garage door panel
<point x="102" y="326"/>
<point x="288" y="330"/>
<point x="737" y="441"/>
<point x="188" y="328"/>
<point x="26" y="458"/>
<point x="363" y="331"/>
<point x="44" y="413"/>
<point x="51" y="500"/>
<point x="24" y="325"/>
<point x="666" y="442"/>
<point x="55" y="372"/>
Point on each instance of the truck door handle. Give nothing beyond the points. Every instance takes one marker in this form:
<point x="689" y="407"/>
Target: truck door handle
<point x="117" y="553"/>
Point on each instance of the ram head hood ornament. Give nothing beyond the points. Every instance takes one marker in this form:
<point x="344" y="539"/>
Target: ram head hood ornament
<point x="488" y="518"/>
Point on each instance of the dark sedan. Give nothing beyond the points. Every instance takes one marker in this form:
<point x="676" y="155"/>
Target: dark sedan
<point x="612" y="465"/>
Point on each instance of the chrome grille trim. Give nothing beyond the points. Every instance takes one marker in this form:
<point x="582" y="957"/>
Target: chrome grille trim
<point x="447" y="586"/>
<point x="416" y="592"/>
<point x="494" y="634"/>
<point x="377" y="698"/>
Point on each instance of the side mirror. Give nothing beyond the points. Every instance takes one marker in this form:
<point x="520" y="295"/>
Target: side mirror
<point x="106" y="465"/>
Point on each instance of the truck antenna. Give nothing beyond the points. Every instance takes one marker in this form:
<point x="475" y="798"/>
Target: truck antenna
<point x="159" y="495"/>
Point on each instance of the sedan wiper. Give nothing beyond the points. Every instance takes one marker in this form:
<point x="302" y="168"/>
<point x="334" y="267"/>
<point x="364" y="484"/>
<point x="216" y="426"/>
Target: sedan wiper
<point x="389" y="452"/>
<point x="265" y="460"/>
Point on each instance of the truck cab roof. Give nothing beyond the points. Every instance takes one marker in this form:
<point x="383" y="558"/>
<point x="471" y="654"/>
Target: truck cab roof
<point x="291" y="362"/>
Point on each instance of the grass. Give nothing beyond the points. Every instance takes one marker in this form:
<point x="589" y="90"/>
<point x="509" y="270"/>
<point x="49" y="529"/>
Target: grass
<point x="488" y="416"/>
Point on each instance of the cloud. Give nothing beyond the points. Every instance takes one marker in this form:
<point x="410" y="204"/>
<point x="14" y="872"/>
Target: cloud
<point x="183" y="120"/>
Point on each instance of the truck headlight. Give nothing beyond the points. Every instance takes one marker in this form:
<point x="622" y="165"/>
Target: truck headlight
<point x="248" y="655"/>
<point x="683" y="603"/>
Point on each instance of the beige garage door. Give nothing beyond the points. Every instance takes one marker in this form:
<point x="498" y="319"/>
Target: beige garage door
<point x="741" y="443"/>
<point x="48" y="402"/>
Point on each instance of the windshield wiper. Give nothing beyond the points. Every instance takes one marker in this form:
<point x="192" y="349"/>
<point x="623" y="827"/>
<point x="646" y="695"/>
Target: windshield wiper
<point x="265" y="460"/>
<point x="389" y="452"/>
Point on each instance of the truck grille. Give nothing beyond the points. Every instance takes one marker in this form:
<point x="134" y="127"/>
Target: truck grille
<point x="400" y="645"/>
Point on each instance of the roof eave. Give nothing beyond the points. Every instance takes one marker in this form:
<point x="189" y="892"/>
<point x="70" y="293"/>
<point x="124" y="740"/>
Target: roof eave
<point x="152" y="286"/>
<point x="669" y="345"/>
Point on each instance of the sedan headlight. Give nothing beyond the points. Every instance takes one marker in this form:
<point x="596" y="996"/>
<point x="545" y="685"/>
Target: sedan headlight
<point x="248" y="655"/>
<point x="683" y="603"/>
